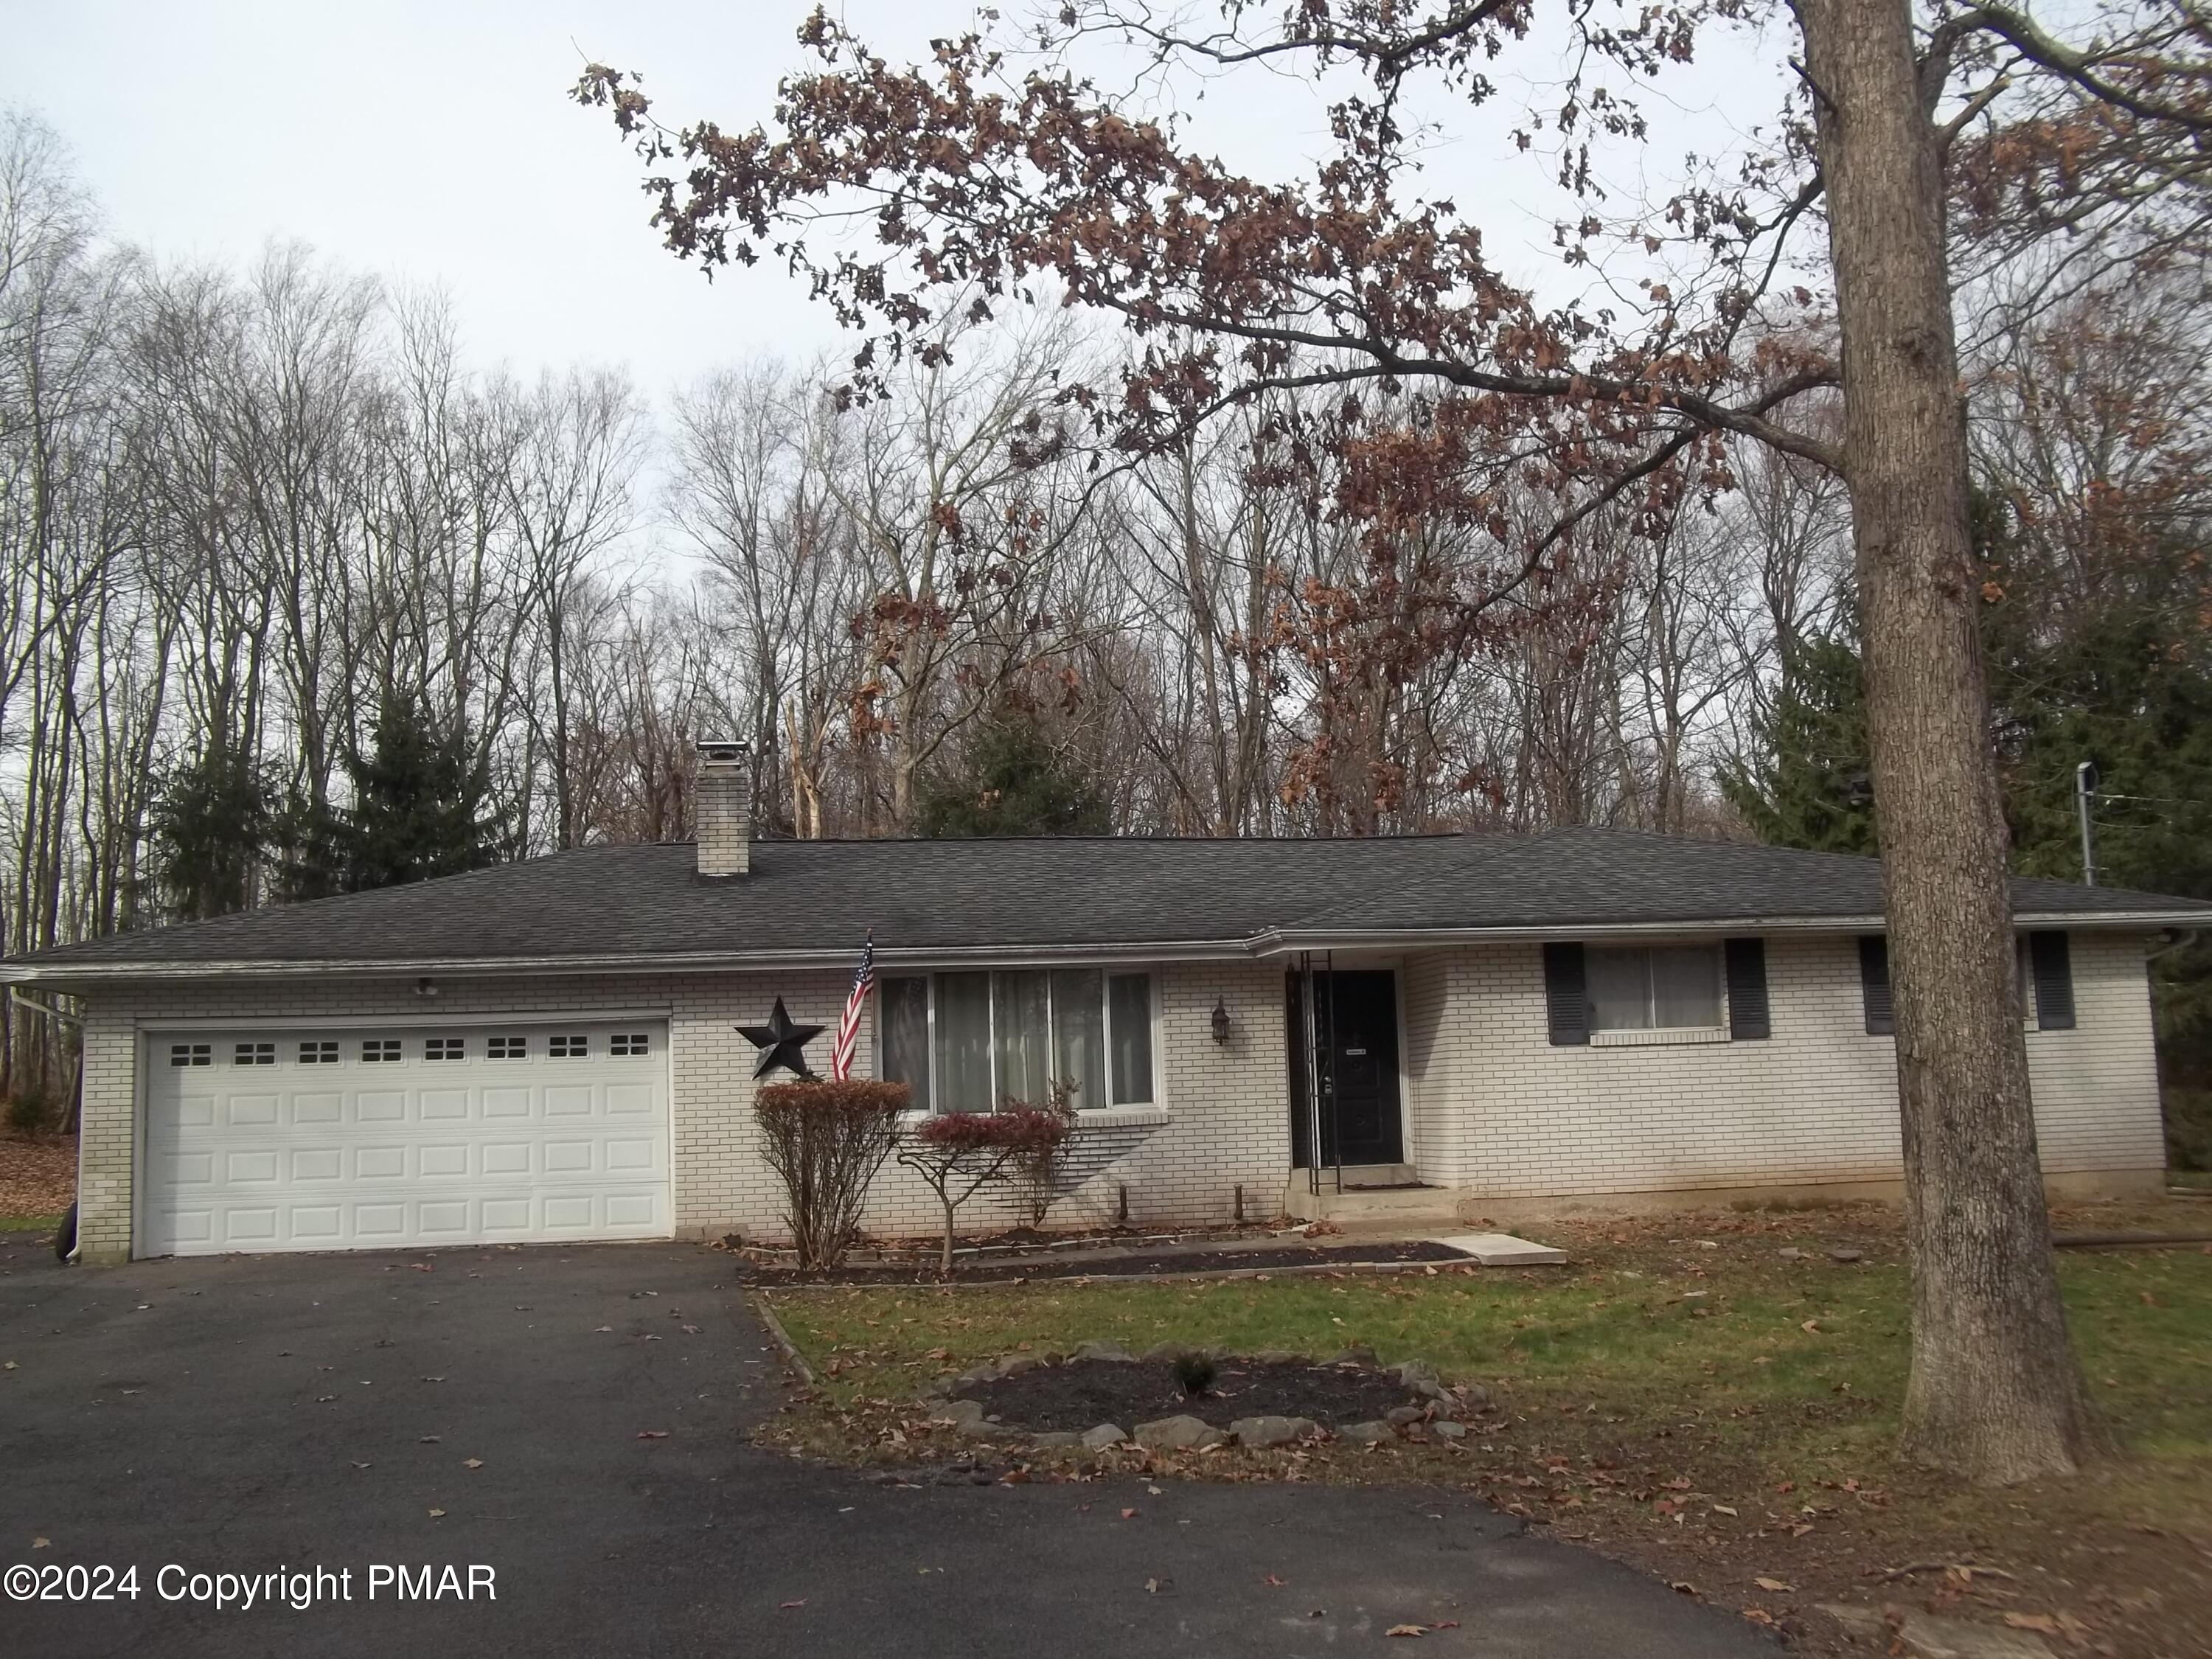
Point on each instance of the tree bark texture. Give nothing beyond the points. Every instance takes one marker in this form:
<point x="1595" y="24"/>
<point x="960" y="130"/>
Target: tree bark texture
<point x="1996" y="1394"/>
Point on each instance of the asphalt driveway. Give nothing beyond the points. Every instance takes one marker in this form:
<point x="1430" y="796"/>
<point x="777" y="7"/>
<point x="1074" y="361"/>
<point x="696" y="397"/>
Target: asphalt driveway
<point x="574" y="1421"/>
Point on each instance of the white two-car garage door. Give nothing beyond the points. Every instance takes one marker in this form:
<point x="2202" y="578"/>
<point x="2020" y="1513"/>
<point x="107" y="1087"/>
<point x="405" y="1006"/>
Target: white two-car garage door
<point x="302" y="1140"/>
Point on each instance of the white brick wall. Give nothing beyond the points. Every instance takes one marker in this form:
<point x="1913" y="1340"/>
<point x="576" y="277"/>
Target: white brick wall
<point x="1494" y="1107"/>
<point x="1222" y="1122"/>
<point x="1497" y="1110"/>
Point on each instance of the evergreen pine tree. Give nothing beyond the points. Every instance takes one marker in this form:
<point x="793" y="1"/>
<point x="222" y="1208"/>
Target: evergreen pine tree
<point x="419" y="805"/>
<point x="1012" y="781"/>
<point x="212" y="825"/>
<point x="1809" y="786"/>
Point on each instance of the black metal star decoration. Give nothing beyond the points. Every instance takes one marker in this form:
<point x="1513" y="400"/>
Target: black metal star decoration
<point x="783" y="1042"/>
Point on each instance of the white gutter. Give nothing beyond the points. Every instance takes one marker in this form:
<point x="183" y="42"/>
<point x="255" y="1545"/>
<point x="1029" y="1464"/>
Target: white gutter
<point x="1288" y="941"/>
<point x="1273" y="942"/>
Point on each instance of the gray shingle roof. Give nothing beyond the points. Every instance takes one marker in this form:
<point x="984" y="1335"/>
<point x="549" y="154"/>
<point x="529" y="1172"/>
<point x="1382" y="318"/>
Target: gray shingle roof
<point x="613" y="904"/>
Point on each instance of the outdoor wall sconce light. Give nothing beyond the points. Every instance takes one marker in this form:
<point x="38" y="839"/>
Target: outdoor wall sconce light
<point x="1220" y="1022"/>
<point x="426" y="986"/>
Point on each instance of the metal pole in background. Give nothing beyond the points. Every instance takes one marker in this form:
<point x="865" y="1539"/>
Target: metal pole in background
<point x="1312" y="1078"/>
<point x="1335" y="1106"/>
<point x="2084" y="788"/>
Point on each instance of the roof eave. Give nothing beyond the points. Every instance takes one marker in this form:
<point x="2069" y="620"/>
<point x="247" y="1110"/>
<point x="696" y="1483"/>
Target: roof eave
<point x="1273" y="942"/>
<point x="1284" y="941"/>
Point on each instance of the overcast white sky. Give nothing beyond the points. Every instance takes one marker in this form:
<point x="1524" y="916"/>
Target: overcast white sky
<point x="433" y="142"/>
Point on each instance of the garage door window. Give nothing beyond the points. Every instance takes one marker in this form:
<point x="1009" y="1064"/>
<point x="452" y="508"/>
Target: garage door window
<point x="631" y="1043"/>
<point x="191" y="1054"/>
<point x="320" y="1052"/>
<point x="254" y="1053"/>
<point x="568" y="1047"/>
<point x="446" y="1048"/>
<point x="381" y="1049"/>
<point x="508" y="1048"/>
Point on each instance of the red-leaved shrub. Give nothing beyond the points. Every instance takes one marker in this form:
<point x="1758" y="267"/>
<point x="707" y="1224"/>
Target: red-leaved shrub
<point x="960" y="1153"/>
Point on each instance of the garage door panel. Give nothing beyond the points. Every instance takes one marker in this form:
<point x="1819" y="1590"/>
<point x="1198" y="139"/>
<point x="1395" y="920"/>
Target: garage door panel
<point x="446" y="1160"/>
<point x="630" y="1099"/>
<point x="508" y="1158"/>
<point x="249" y="1225"/>
<point x="317" y="1108"/>
<point x="322" y="1149"/>
<point x="257" y="1168"/>
<point x="192" y="1111"/>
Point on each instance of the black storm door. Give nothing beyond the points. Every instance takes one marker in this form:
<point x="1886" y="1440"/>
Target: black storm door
<point x="1361" y="1125"/>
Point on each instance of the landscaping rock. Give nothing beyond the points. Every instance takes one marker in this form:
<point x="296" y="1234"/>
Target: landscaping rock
<point x="1473" y="1396"/>
<point x="967" y="1419"/>
<point x="1166" y="1353"/>
<point x="1112" y="1352"/>
<point x="1790" y="1253"/>
<point x="1415" y="1372"/>
<point x="1258" y="1432"/>
<point x="1932" y="1637"/>
<point x="1399" y="1416"/>
<point x="1357" y="1353"/>
<point x="1180" y="1433"/>
<point x="1017" y="1364"/>
<point x="1278" y="1356"/>
<point x="1056" y="1441"/>
<point x="1450" y="1430"/>
<point x="1105" y="1435"/>
<point x="1367" y="1434"/>
<point x="1846" y="1253"/>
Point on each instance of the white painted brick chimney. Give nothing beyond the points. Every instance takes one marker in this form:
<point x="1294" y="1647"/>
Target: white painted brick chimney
<point x="723" y="808"/>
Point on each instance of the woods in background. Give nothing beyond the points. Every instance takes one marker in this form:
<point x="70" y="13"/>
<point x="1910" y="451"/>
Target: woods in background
<point x="295" y="600"/>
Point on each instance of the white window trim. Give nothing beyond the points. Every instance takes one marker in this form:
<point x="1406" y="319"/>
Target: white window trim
<point x="1111" y="1114"/>
<point x="1659" y="1036"/>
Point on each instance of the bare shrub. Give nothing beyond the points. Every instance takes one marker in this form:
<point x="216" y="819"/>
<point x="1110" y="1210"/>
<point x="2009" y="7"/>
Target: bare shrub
<point x="826" y="1141"/>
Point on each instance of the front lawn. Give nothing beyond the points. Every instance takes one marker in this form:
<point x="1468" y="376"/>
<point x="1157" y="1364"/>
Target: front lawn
<point x="1682" y="1397"/>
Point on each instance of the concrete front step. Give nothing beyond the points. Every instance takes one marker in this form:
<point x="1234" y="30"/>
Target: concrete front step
<point x="1395" y="1203"/>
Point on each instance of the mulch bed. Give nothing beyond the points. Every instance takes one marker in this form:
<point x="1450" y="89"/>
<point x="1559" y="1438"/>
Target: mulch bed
<point x="36" y="1177"/>
<point x="1014" y="1269"/>
<point x="1073" y="1397"/>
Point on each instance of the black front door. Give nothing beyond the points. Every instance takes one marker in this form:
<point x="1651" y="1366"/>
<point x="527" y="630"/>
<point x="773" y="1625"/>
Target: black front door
<point x="1355" y="1017"/>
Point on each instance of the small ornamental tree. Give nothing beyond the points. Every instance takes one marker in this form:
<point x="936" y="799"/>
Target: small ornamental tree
<point x="961" y="1153"/>
<point x="826" y="1141"/>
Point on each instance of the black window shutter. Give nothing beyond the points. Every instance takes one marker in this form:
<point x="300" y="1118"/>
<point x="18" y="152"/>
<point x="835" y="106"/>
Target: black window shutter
<point x="1566" y="995"/>
<point x="1746" y="989"/>
<point x="1874" y="981"/>
<point x="2052" y="964"/>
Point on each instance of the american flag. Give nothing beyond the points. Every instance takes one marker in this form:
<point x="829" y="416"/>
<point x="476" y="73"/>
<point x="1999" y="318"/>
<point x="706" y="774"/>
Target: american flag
<point x="849" y="1028"/>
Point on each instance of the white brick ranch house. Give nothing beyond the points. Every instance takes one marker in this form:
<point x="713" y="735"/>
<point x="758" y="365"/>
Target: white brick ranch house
<point x="1478" y="1023"/>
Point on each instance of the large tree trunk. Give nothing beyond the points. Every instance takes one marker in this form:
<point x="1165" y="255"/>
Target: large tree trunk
<point x="1995" y="1394"/>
